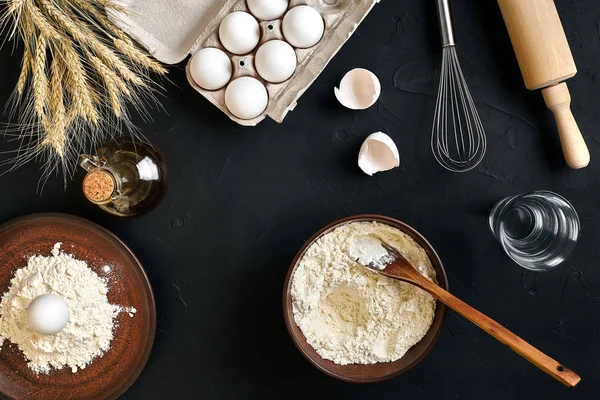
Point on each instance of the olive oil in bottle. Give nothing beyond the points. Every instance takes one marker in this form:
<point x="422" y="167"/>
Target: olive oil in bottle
<point x="124" y="178"/>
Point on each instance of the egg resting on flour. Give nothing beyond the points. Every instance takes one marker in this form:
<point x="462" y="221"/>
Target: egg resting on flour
<point x="47" y="314"/>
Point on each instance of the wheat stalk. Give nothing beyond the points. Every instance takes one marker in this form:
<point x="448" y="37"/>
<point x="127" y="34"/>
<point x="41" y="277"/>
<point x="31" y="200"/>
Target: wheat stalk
<point x="78" y="73"/>
<point x="14" y="10"/>
<point x="56" y="137"/>
<point x="126" y="47"/>
<point x="110" y="4"/>
<point x="83" y="34"/>
<point x="40" y="79"/>
<point x="94" y="12"/>
<point x="25" y="68"/>
<point x="40" y="22"/>
<point x="79" y="88"/>
<point x="57" y="105"/>
<point x="120" y="40"/>
<point x="109" y="75"/>
<point x="16" y="6"/>
<point x="113" y="83"/>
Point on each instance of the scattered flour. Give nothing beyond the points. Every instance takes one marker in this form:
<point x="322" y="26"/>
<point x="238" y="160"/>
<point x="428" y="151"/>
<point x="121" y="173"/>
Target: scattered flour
<point x="351" y="315"/>
<point x="91" y="322"/>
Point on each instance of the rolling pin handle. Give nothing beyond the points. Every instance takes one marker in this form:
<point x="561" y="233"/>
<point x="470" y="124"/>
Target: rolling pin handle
<point x="575" y="150"/>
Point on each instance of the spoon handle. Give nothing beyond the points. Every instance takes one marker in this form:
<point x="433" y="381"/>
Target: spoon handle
<point x="547" y="364"/>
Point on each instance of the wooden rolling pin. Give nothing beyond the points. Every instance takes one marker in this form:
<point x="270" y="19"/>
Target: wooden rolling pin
<point x="546" y="62"/>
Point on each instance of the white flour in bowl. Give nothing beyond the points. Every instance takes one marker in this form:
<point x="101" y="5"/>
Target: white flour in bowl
<point x="91" y="317"/>
<point x="351" y="315"/>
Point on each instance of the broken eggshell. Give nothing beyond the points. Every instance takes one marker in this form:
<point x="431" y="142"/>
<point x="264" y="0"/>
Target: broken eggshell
<point x="359" y="89"/>
<point x="378" y="153"/>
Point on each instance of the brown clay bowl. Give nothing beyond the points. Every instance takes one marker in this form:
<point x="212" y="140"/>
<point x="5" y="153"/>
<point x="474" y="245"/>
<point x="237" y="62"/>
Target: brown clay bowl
<point x="106" y="377"/>
<point x="358" y="373"/>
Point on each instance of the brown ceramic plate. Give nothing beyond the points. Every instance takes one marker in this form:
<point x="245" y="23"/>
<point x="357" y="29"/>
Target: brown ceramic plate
<point x="112" y="374"/>
<point x="358" y="373"/>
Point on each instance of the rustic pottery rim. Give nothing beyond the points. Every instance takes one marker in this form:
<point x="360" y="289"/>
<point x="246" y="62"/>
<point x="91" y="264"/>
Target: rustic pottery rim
<point x="442" y="281"/>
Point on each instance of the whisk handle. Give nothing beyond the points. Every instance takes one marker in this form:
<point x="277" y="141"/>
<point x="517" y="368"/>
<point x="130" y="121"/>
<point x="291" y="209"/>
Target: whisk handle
<point x="445" y="18"/>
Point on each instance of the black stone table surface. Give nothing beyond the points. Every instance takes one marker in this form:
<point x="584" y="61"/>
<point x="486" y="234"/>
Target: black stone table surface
<point x="243" y="200"/>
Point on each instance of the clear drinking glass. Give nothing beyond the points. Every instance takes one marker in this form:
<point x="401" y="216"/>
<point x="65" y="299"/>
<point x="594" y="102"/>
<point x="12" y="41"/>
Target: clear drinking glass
<point x="537" y="230"/>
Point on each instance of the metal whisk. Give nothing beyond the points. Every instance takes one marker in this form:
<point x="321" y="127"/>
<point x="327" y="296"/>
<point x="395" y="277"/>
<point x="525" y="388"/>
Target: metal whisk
<point x="458" y="139"/>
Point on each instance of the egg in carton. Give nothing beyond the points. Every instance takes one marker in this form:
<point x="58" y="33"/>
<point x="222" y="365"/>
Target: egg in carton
<point x="173" y="29"/>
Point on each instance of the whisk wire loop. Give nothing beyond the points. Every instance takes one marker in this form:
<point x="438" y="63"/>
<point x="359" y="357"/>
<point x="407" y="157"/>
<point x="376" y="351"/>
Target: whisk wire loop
<point x="458" y="138"/>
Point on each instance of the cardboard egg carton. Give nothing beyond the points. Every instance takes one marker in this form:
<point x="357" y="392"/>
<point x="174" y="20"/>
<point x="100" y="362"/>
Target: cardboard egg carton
<point x="173" y="29"/>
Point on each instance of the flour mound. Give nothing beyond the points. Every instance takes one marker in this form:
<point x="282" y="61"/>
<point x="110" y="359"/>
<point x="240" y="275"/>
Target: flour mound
<point x="351" y="315"/>
<point x="91" y="317"/>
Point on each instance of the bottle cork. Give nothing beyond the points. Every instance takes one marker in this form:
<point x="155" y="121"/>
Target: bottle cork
<point x="98" y="186"/>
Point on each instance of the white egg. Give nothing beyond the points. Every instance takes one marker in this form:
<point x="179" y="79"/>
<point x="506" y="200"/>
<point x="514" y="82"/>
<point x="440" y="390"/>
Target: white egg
<point x="275" y="61"/>
<point x="211" y="68"/>
<point x="47" y="314"/>
<point x="239" y="32"/>
<point x="268" y="9"/>
<point x="303" y="26"/>
<point x="378" y="153"/>
<point x="246" y="97"/>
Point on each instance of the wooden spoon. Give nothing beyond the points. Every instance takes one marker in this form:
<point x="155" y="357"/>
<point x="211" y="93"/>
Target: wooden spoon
<point x="394" y="265"/>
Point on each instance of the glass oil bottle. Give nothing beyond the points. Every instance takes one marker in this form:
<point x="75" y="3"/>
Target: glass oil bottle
<point x="124" y="178"/>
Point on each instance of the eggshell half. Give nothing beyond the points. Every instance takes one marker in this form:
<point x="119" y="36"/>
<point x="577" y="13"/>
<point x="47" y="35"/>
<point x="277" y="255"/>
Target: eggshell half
<point x="378" y="153"/>
<point x="359" y="89"/>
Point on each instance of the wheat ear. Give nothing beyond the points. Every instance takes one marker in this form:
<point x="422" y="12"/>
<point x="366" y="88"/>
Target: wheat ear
<point x="41" y="23"/>
<point x="136" y="55"/>
<point x="120" y="40"/>
<point x="79" y="71"/>
<point x="81" y="92"/>
<point x="107" y="73"/>
<point x="85" y="35"/>
<point x="56" y="136"/>
<point x="97" y="12"/>
<point x="27" y="30"/>
<point x="40" y="79"/>
<point x="111" y="4"/>
<point x="26" y="66"/>
<point x="16" y="6"/>
<point x="113" y="83"/>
